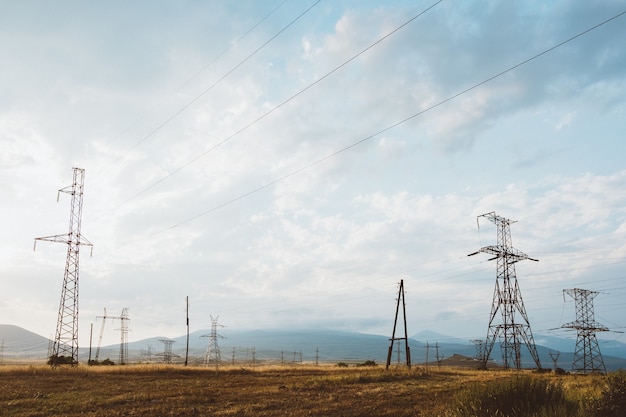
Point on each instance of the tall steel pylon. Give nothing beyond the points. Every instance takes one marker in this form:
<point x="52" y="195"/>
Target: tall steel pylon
<point x="587" y="356"/>
<point x="213" y="349"/>
<point x="65" y="345"/>
<point x="507" y="300"/>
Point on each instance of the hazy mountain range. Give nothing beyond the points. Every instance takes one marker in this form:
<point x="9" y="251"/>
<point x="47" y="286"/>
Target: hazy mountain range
<point x="262" y="346"/>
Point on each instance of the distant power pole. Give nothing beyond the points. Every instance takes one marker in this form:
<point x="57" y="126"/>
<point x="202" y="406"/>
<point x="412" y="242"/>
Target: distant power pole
<point x="65" y="345"/>
<point x="393" y="334"/>
<point x="439" y="358"/>
<point x="480" y="351"/>
<point x="187" y="346"/>
<point x="167" y="349"/>
<point x="555" y="358"/>
<point x="587" y="356"/>
<point x="124" y="319"/>
<point x="507" y="300"/>
<point x="213" y="349"/>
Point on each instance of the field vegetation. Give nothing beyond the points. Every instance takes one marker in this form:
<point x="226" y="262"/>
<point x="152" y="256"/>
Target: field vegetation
<point x="159" y="390"/>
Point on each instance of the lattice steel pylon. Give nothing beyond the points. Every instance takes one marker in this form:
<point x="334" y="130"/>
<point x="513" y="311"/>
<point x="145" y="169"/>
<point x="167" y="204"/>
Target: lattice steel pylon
<point x="65" y="345"/>
<point x="213" y="349"/>
<point x="587" y="356"/>
<point x="124" y="319"/>
<point x="507" y="300"/>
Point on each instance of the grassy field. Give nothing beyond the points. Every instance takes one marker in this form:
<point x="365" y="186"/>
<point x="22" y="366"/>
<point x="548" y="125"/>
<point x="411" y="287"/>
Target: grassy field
<point x="150" y="390"/>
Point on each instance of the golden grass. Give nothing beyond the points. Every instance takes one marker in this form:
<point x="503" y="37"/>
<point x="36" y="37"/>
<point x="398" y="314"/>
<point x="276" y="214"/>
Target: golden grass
<point x="163" y="390"/>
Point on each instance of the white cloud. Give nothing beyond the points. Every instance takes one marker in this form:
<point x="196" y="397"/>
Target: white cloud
<point x="541" y="145"/>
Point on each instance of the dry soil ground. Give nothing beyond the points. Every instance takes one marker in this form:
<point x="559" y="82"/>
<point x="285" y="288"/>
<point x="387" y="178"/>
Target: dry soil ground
<point x="149" y="390"/>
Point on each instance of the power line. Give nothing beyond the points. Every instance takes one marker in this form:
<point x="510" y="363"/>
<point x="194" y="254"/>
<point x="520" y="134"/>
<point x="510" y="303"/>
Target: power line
<point x="375" y="134"/>
<point x="194" y="100"/>
<point x="264" y="115"/>
<point x="197" y="73"/>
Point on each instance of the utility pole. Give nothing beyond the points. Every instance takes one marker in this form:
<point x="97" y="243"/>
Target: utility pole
<point x="65" y="345"/>
<point x="439" y="358"/>
<point x="507" y="299"/>
<point x="90" y="340"/>
<point x="393" y="334"/>
<point x="104" y="318"/>
<point x="587" y="356"/>
<point x="187" y="347"/>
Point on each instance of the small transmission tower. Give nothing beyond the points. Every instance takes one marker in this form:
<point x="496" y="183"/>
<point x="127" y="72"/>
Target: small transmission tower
<point x="479" y="344"/>
<point x="65" y="345"/>
<point x="507" y="299"/>
<point x="587" y="356"/>
<point x="167" y="350"/>
<point x="213" y="349"/>
<point x="124" y="319"/>
<point x="393" y="335"/>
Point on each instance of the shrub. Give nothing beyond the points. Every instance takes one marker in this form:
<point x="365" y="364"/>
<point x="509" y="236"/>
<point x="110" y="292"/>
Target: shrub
<point x="613" y="399"/>
<point x="367" y="363"/>
<point x="519" y="396"/>
<point x="342" y="365"/>
<point x="60" y="360"/>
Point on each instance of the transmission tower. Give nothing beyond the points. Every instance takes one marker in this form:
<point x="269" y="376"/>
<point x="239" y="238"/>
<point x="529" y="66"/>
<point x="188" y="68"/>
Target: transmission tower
<point x="167" y="350"/>
<point x="65" y="345"/>
<point x="213" y="349"/>
<point x="555" y="359"/>
<point x="124" y="319"/>
<point x="479" y="344"/>
<point x="507" y="300"/>
<point x="393" y="335"/>
<point x="587" y="356"/>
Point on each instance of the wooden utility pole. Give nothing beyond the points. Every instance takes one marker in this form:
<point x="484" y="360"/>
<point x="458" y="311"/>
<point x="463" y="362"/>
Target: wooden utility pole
<point x="393" y="335"/>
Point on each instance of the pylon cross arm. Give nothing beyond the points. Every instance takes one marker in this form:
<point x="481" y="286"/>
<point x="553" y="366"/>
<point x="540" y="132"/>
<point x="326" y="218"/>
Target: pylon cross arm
<point x="512" y="254"/>
<point x="594" y="325"/>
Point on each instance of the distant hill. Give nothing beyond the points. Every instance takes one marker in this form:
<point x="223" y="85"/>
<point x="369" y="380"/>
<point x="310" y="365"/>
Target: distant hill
<point x="310" y="345"/>
<point x="21" y="343"/>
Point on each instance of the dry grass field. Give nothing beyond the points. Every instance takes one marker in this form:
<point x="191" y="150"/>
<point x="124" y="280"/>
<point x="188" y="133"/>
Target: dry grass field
<point x="150" y="390"/>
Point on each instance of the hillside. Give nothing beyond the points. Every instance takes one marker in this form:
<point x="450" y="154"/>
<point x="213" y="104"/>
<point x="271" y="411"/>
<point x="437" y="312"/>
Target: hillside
<point x="307" y="346"/>
<point x="21" y="343"/>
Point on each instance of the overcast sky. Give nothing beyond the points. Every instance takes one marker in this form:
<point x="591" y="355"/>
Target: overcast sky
<point x="286" y="163"/>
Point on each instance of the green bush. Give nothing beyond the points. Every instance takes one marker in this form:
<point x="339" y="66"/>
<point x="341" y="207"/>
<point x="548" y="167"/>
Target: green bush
<point x="519" y="396"/>
<point x="613" y="400"/>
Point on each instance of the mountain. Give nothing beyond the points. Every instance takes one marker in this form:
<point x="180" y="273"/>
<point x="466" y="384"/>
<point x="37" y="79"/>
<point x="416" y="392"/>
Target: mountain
<point x="17" y="342"/>
<point x="281" y="346"/>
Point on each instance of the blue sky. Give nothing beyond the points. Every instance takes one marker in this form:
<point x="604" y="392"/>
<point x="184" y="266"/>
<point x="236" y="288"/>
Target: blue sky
<point x="180" y="111"/>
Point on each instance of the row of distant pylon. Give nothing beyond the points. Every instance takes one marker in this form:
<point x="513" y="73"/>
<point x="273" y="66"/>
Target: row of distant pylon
<point x="506" y="305"/>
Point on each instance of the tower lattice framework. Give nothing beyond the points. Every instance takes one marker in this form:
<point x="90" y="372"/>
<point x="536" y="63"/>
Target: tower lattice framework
<point x="124" y="319"/>
<point x="587" y="356"/>
<point x="65" y="344"/>
<point x="213" y="350"/>
<point x="507" y="304"/>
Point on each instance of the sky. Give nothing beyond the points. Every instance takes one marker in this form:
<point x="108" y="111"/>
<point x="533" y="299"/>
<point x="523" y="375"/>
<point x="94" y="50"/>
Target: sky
<point x="284" y="164"/>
